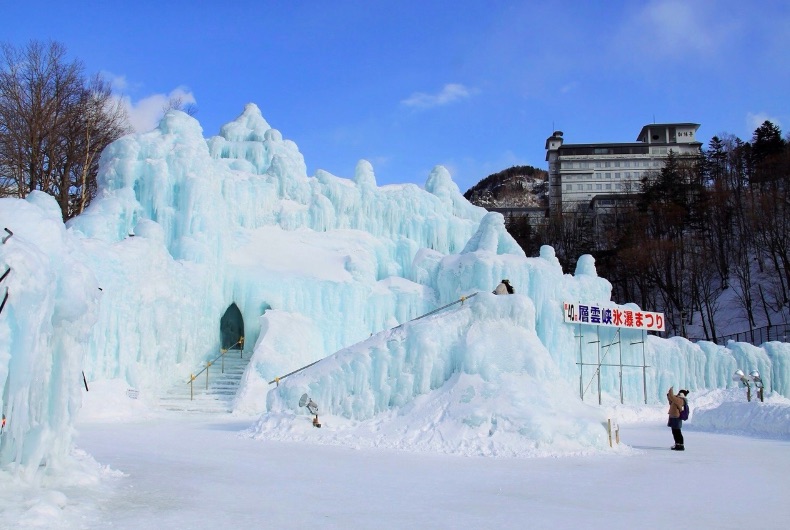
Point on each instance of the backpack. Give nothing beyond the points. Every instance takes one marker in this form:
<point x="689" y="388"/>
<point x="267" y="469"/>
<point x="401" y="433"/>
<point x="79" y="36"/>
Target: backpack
<point x="684" y="414"/>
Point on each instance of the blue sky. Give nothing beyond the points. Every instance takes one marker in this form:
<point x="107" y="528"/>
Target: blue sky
<point x="476" y="86"/>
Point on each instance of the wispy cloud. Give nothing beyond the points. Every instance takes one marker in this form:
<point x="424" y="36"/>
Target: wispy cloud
<point x="144" y="114"/>
<point x="570" y="87"/>
<point x="675" y="29"/>
<point x="755" y="119"/>
<point x="450" y="93"/>
<point x="119" y="83"/>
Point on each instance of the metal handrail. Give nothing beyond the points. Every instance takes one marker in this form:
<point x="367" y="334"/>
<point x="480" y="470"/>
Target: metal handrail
<point x="460" y="300"/>
<point x="221" y="355"/>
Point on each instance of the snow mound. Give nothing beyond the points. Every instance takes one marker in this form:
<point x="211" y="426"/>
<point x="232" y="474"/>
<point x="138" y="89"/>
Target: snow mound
<point x="474" y="380"/>
<point x="729" y="412"/>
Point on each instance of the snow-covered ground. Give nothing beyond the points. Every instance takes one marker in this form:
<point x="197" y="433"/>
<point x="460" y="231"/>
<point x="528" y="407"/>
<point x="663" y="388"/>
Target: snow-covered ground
<point x="152" y="469"/>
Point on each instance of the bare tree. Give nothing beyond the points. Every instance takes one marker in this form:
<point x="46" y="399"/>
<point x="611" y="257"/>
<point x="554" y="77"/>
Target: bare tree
<point x="54" y="123"/>
<point x="177" y="103"/>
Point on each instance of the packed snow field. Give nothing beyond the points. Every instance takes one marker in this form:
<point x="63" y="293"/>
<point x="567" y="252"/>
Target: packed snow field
<point x="194" y="244"/>
<point x="175" y="470"/>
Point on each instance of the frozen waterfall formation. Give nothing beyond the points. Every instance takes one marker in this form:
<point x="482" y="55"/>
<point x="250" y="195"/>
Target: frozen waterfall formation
<point x="185" y="228"/>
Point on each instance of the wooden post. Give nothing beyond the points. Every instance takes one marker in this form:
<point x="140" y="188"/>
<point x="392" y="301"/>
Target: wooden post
<point x="609" y="430"/>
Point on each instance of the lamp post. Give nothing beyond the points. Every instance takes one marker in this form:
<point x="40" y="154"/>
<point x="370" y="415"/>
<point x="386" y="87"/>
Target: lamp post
<point x="758" y="383"/>
<point x="743" y="378"/>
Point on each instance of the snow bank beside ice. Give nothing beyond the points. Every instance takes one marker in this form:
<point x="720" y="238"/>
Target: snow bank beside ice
<point x="729" y="412"/>
<point x="473" y="380"/>
<point x="112" y="401"/>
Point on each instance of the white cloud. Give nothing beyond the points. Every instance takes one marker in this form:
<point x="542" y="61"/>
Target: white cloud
<point x="754" y="120"/>
<point x="675" y="29"/>
<point x="450" y="93"/>
<point x="569" y="87"/>
<point x="117" y="82"/>
<point x="144" y="114"/>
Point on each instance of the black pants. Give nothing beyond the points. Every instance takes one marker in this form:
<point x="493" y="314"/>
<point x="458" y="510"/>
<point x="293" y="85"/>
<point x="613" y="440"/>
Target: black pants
<point x="677" y="435"/>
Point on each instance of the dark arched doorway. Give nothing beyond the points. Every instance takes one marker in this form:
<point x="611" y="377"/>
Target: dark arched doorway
<point x="231" y="328"/>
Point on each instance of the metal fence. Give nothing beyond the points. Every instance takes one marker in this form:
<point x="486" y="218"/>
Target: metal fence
<point x="756" y="336"/>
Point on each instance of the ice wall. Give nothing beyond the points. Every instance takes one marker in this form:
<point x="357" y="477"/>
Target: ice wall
<point x="51" y="307"/>
<point x="475" y="379"/>
<point x="235" y="219"/>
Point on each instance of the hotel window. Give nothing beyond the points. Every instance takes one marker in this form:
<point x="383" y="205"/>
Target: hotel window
<point x="617" y="175"/>
<point x="628" y="174"/>
<point x="580" y="187"/>
<point x="608" y="186"/>
<point x="608" y="175"/>
<point x="618" y="186"/>
<point x="589" y="187"/>
<point x="598" y="187"/>
<point x="598" y="163"/>
<point x="616" y="163"/>
<point x="607" y="164"/>
<point x="568" y="187"/>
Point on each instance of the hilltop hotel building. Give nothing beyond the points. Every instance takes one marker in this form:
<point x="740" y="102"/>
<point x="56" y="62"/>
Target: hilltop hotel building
<point x="597" y="173"/>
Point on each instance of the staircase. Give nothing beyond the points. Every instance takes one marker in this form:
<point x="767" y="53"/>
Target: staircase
<point x="224" y="377"/>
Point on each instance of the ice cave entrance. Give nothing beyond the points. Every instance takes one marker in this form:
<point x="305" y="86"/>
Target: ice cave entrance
<point x="231" y="328"/>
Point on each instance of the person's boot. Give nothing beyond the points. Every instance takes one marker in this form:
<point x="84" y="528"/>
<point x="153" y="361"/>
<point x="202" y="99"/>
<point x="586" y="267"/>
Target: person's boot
<point x="678" y="447"/>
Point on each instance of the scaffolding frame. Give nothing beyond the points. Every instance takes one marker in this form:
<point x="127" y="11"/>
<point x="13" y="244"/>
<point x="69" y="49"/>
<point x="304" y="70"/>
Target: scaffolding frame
<point x="616" y="340"/>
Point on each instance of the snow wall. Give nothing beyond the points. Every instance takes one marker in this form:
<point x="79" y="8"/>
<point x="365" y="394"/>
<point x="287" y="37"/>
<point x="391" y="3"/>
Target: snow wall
<point x="183" y="227"/>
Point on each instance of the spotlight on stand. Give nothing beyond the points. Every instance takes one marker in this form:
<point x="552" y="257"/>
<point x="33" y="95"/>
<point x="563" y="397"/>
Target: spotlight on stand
<point x="745" y="379"/>
<point x="312" y="406"/>
<point x="758" y="383"/>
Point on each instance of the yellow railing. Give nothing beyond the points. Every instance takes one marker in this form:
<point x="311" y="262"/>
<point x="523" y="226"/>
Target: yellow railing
<point x="221" y="356"/>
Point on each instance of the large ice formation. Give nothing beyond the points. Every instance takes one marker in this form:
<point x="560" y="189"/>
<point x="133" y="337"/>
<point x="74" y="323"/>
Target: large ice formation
<point x="185" y="229"/>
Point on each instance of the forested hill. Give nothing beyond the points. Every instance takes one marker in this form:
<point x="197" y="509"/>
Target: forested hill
<point x="515" y="187"/>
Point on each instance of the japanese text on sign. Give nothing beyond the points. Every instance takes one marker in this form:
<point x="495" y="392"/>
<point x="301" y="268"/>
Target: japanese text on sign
<point x="620" y="317"/>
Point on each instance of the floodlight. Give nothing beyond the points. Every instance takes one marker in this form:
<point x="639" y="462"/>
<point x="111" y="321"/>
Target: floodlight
<point x="745" y="379"/>
<point x="755" y="375"/>
<point x="311" y="405"/>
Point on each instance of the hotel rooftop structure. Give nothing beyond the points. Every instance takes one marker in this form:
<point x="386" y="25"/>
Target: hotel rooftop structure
<point x="580" y="172"/>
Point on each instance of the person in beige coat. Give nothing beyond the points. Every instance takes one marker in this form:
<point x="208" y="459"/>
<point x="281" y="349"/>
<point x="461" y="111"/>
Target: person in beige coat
<point x="676" y="403"/>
